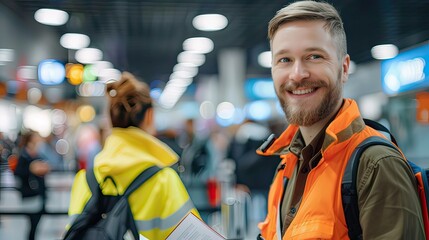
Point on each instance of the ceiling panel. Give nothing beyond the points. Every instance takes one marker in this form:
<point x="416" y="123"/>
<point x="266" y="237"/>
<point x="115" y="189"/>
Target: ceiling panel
<point x="144" y="37"/>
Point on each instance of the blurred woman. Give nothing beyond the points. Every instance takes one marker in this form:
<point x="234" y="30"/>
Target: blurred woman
<point x="31" y="171"/>
<point x="162" y="201"/>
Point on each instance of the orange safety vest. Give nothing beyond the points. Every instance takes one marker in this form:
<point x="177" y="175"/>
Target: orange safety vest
<point x="321" y="214"/>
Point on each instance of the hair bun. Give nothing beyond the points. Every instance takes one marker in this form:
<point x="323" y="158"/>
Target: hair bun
<point x="129" y="99"/>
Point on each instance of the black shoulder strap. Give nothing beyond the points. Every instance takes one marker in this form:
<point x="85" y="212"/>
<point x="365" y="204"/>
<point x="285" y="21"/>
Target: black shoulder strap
<point x="141" y="178"/>
<point x="379" y="127"/>
<point x="349" y="192"/>
<point x="91" y="211"/>
<point x="92" y="182"/>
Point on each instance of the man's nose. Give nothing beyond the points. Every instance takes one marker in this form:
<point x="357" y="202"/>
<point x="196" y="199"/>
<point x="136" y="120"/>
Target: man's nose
<point x="299" y="72"/>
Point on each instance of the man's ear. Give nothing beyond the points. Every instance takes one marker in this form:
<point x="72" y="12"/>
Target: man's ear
<point x="345" y="69"/>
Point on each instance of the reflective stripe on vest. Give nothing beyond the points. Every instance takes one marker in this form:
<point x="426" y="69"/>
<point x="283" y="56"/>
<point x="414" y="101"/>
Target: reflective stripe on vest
<point x="165" y="223"/>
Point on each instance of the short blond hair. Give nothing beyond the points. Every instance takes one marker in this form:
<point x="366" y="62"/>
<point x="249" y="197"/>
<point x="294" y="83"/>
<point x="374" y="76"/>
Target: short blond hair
<point x="312" y="11"/>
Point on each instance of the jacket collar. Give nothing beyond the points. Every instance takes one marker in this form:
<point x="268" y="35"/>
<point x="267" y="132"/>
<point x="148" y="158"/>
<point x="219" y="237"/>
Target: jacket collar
<point x="128" y="149"/>
<point x="347" y="122"/>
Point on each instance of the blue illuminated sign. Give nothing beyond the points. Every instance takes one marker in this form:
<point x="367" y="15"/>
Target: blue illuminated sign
<point x="408" y="71"/>
<point x="260" y="88"/>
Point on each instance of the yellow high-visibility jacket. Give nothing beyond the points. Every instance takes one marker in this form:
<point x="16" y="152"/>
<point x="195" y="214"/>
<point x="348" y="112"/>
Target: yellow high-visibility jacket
<point x="160" y="203"/>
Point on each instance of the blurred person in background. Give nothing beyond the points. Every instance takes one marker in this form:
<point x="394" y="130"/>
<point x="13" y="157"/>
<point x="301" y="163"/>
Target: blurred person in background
<point x="8" y="153"/>
<point x="89" y="143"/>
<point x="162" y="201"/>
<point x="253" y="171"/>
<point x="309" y="67"/>
<point x="198" y="158"/>
<point x="187" y="135"/>
<point x="170" y="137"/>
<point x="48" y="152"/>
<point x="31" y="171"/>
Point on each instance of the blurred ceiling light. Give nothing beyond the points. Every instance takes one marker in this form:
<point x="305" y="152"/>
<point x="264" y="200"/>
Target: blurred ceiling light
<point x="88" y="55"/>
<point x="264" y="59"/>
<point x="53" y="17"/>
<point x="189" y="67"/>
<point x="174" y="89"/>
<point x="198" y="44"/>
<point x="26" y="73"/>
<point x="6" y="55"/>
<point x="74" y="41"/>
<point x="184" y="70"/>
<point x="384" y="51"/>
<point x="101" y="65"/>
<point x="37" y="119"/>
<point x="225" y="110"/>
<point x="183" y="74"/>
<point x="207" y="110"/>
<point x="191" y="57"/>
<point x="109" y="74"/>
<point x="168" y="103"/>
<point x="210" y="22"/>
<point x="179" y="82"/>
<point x="7" y="123"/>
<point x="172" y="93"/>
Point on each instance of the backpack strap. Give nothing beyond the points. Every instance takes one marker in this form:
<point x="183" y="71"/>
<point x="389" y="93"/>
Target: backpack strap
<point x="348" y="186"/>
<point x="92" y="183"/>
<point x="422" y="182"/>
<point x="379" y="127"/>
<point x="141" y="178"/>
<point x="91" y="211"/>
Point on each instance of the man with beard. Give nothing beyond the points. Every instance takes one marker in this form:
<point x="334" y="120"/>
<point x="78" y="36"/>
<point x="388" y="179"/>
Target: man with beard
<point x="309" y="67"/>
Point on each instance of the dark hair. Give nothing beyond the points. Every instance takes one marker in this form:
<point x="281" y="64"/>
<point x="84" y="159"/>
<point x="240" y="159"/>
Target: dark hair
<point x="26" y="137"/>
<point x="129" y="100"/>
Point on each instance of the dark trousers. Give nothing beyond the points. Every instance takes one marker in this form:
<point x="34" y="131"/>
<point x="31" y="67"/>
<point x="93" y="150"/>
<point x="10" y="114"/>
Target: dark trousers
<point x="34" y="221"/>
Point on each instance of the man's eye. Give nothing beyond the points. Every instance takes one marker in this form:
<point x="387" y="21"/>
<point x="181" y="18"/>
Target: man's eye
<point x="284" y="60"/>
<point x="315" y="56"/>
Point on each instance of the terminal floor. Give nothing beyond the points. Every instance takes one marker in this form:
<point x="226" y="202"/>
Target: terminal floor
<point x="51" y="227"/>
<point x="17" y="227"/>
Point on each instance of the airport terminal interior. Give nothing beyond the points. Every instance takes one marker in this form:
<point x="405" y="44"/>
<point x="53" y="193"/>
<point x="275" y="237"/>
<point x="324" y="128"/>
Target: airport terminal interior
<point x="208" y="66"/>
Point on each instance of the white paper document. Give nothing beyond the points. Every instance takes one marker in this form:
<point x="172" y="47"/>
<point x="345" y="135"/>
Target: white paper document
<point x="193" y="228"/>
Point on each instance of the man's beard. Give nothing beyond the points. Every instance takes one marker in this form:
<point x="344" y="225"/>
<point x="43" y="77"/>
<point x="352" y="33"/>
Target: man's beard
<point x="301" y="115"/>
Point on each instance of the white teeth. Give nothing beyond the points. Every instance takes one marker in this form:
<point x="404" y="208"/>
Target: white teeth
<point x="303" y="91"/>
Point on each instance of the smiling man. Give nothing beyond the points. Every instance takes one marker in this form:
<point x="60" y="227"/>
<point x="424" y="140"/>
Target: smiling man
<point x="309" y="67"/>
